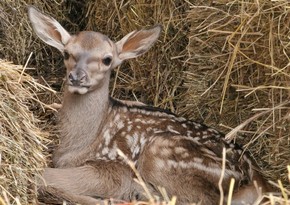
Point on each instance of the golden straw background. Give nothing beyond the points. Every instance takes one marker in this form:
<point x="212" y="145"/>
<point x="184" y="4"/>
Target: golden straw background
<point x="224" y="63"/>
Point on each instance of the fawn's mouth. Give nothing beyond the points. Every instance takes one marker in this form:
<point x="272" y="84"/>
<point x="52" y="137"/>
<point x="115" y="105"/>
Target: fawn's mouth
<point x="78" y="89"/>
<point x="79" y="85"/>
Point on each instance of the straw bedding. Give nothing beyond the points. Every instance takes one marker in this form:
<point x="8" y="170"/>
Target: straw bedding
<point x="224" y="63"/>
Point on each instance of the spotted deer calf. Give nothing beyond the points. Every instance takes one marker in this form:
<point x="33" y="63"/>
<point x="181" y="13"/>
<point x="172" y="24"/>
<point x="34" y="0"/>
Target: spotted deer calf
<point x="168" y="151"/>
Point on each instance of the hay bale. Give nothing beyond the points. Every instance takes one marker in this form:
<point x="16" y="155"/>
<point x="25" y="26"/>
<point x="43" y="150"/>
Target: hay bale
<point x="22" y="143"/>
<point x="240" y="51"/>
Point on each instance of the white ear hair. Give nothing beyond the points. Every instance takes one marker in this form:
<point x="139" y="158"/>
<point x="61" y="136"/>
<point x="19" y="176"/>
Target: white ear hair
<point x="48" y="29"/>
<point x="137" y="43"/>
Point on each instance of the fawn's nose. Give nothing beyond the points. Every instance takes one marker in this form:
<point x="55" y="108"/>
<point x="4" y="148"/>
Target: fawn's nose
<point x="77" y="77"/>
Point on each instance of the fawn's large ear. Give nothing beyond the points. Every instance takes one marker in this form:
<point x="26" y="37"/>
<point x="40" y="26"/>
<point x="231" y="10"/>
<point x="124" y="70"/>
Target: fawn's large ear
<point x="137" y="43"/>
<point x="48" y="29"/>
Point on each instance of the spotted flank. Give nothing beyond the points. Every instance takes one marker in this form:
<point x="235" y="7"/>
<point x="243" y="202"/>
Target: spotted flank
<point x="179" y="143"/>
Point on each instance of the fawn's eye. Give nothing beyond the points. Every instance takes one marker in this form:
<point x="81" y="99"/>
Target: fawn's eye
<point x="65" y="55"/>
<point x="107" y="60"/>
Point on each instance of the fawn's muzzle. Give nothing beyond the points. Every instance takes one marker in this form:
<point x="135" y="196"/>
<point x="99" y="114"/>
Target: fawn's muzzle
<point x="77" y="78"/>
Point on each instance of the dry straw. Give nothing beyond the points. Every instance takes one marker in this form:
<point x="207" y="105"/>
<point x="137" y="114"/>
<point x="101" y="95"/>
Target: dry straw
<point x="21" y="141"/>
<point x="223" y="62"/>
<point x="240" y="51"/>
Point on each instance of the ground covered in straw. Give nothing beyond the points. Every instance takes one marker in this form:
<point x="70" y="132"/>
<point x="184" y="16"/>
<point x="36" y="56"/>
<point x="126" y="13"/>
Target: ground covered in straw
<point x="224" y="63"/>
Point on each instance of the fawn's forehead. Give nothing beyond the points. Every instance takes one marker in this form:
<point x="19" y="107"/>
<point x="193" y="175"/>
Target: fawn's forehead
<point x="89" y="40"/>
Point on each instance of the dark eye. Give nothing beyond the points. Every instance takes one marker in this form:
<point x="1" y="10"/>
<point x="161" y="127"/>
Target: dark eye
<point x="65" y="55"/>
<point x="107" y="60"/>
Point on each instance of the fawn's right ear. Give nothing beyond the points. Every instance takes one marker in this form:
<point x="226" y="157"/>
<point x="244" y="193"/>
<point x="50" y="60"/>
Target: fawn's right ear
<point x="48" y="29"/>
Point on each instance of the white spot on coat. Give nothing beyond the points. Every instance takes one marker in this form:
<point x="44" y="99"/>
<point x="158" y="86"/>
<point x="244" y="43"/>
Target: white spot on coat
<point x="171" y="129"/>
<point x="105" y="151"/>
<point x="120" y="124"/>
<point x="107" y="137"/>
<point x="129" y="128"/>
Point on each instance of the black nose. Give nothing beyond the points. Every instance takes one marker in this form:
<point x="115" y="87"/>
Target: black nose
<point x="77" y="78"/>
<point x="73" y="79"/>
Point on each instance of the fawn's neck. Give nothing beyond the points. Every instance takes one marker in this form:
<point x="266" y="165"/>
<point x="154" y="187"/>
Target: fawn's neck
<point x="81" y="119"/>
<point x="82" y="116"/>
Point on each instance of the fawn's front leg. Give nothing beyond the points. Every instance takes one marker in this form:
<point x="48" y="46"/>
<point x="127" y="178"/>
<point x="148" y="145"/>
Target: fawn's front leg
<point x="94" y="180"/>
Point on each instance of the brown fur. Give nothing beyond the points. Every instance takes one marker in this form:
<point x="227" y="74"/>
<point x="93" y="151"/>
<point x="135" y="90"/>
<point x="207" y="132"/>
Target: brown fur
<point x="168" y="151"/>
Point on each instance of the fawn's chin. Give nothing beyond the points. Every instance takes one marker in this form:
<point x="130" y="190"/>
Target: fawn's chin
<point x="78" y="90"/>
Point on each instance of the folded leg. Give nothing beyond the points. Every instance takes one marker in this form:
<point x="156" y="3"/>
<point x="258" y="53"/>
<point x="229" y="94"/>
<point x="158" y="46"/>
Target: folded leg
<point x="87" y="183"/>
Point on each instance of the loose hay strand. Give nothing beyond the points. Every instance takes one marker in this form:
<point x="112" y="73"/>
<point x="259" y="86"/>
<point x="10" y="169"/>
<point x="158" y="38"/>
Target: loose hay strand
<point x="221" y="202"/>
<point x="231" y="191"/>
<point x="23" y="70"/>
<point x="283" y="191"/>
<point x="288" y="167"/>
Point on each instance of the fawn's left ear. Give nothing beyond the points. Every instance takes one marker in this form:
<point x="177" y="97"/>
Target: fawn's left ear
<point x="137" y="42"/>
<point x="48" y="29"/>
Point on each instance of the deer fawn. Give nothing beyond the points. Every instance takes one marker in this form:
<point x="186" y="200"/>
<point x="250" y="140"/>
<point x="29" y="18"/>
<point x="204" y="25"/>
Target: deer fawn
<point x="182" y="156"/>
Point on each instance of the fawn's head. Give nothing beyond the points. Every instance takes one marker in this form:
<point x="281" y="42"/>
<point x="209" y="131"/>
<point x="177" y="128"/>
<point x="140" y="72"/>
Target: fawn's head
<point x="90" y="56"/>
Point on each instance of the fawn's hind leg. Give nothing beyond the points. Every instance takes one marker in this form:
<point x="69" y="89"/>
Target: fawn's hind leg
<point x="185" y="185"/>
<point x="162" y="164"/>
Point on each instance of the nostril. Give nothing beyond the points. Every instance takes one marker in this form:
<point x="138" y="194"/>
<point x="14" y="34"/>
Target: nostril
<point x="71" y="77"/>
<point x="83" y="77"/>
